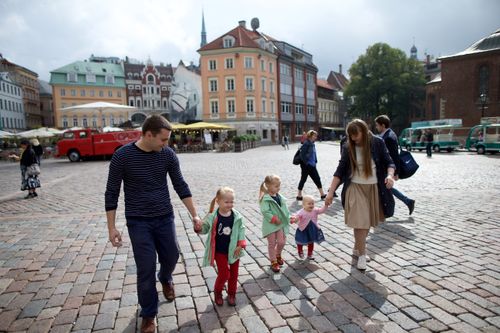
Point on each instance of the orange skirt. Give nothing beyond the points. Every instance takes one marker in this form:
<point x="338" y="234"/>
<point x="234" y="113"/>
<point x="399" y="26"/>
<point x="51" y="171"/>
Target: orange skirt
<point x="362" y="207"/>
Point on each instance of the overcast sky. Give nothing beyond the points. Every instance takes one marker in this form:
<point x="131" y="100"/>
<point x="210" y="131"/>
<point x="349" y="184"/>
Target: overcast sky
<point x="43" y="35"/>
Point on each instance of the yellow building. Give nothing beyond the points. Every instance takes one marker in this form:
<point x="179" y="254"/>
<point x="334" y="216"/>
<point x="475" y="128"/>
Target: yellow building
<point x="239" y="82"/>
<point x="84" y="82"/>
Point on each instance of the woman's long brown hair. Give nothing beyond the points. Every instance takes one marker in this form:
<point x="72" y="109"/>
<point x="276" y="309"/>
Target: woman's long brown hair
<point x="353" y="128"/>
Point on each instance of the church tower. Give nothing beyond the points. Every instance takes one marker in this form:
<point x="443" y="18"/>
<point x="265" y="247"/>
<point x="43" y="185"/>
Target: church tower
<point x="413" y="51"/>
<point x="203" y="31"/>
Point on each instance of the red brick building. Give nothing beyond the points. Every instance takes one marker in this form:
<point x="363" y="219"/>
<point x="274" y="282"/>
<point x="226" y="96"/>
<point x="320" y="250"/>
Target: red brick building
<point x="466" y="76"/>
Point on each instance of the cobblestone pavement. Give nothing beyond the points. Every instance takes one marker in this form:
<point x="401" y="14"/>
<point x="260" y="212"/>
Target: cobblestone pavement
<point x="437" y="270"/>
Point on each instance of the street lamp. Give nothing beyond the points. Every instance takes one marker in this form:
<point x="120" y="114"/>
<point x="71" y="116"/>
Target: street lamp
<point x="482" y="98"/>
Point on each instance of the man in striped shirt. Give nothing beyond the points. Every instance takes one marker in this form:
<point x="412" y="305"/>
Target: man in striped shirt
<point x="143" y="167"/>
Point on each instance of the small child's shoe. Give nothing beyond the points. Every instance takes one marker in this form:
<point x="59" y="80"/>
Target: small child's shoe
<point x="275" y="267"/>
<point x="218" y="298"/>
<point x="301" y="256"/>
<point x="310" y="257"/>
<point x="280" y="261"/>
<point x="231" y="299"/>
<point x="355" y="254"/>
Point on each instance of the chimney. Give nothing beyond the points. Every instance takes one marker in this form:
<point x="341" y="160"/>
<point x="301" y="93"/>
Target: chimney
<point x="340" y="69"/>
<point x="242" y="23"/>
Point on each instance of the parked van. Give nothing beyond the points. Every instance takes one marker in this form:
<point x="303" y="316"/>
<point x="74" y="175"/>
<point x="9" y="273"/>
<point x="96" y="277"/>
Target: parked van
<point x="414" y="138"/>
<point x="484" y="138"/>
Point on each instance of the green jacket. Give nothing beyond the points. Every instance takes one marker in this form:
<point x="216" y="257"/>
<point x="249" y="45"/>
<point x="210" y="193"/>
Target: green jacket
<point x="237" y="237"/>
<point x="271" y="212"/>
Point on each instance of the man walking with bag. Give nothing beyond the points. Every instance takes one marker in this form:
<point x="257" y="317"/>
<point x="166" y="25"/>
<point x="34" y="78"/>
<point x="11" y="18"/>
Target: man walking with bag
<point x="383" y="125"/>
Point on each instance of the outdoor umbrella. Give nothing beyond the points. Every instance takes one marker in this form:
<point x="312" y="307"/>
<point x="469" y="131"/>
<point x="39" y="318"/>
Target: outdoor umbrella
<point x="112" y="129"/>
<point x="42" y="132"/>
<point x="101" y="107"/>
<point x="6" y="135"/>
<point x="204" y="125"/>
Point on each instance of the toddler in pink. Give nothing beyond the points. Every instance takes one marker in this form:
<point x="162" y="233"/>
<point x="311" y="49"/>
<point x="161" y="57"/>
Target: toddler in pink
<point x="308" y="231"/>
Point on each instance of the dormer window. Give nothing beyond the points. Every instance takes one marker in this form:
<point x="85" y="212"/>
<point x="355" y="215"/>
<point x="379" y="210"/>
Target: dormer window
<point x="72" y="77"/>
<point x="110" y="78"/>
<point x="228" y="41"/>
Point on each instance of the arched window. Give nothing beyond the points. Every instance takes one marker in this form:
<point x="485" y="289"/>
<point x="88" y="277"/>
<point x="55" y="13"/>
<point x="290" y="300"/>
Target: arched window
<point x="484" y="76"/>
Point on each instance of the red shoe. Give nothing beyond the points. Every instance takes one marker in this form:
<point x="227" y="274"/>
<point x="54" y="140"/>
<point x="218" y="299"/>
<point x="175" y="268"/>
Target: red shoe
<point x="280" y="261"/>
<point x="218" y="298"/>
<point x="275" y="267"/>
<point x="231" y="300"/>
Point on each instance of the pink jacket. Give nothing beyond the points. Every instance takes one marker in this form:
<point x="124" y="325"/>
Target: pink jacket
<point x="304" y="217"/>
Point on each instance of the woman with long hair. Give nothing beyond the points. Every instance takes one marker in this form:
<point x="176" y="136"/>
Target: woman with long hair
<point x="366" y="170"/>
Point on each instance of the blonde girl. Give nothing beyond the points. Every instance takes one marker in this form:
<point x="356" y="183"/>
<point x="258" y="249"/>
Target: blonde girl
<point x="276" y="219"/>
<point x="225" y="244"/>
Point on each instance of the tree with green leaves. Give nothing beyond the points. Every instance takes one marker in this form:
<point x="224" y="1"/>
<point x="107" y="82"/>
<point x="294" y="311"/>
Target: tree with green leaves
<point x="385" y="81"/>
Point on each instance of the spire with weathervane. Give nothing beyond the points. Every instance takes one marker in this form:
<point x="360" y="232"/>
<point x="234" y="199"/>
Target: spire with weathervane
<point x="203" y="32"/>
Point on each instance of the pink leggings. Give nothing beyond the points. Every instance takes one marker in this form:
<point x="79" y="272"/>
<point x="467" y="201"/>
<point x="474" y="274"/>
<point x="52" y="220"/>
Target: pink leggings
<point x="275" y="244"/>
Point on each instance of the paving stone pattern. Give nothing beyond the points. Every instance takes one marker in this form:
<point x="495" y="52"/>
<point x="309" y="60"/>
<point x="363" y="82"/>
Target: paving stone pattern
<point x="436" y="271"/>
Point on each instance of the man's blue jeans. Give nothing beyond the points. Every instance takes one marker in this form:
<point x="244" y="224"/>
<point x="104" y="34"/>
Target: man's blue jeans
<point x="148" y="237"/>
<point x="401" y="196"/>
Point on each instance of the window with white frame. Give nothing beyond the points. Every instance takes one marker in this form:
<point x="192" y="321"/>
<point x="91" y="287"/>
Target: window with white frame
<point x="299" y="74"/>
<point x="231" y="107"/>
<point x="63" y="92"/>
<point x="310" y="77"/>
<point x="230" y="84"/>
<point x="263" y="110"/>
<point x="92" y="93"/>
<point x="212" y="65"/>
<point x="270" y="67"/>
<point x="101" y="93"/>
<point x="73" y="92"/>
<point x="110" y="78"/>
<point x="82" y="93"/>
<point x="285" y="69"/>
<point x="250" y="105"/>
<point x="214" y="107"/>
<point x="72" y="77"/>
<point x="248" y="62"/>
<point x="262" y="65"/>
<point x="84" y="122"/>
<point x="94" y="121"/>
<point x="272" y="107"/>
<point x="286" y="107"/>
<point x="310" y="110"/>
<point x="299" y="108"/>
<point x="75" y="121"/>
<point x="229" y="63"/>
<point x="228" y="41"/>
<point x="90" y="78"/>
<point x="110" y="93"/>
<point x="271" y="86"/>
<point x="65" y="122"/>
<point x="248" y="83"/>
<point x="212" y="85"/>
<point x="263" y="84"/>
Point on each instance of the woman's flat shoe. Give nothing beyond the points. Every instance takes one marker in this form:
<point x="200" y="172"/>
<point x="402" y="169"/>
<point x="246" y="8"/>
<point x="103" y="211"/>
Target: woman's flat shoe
<point x="299" y="198"/>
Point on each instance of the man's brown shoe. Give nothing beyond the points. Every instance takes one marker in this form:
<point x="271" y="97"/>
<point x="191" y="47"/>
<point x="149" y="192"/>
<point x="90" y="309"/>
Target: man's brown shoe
<point x="148" y="325"/>
<point x="168" y="291"/>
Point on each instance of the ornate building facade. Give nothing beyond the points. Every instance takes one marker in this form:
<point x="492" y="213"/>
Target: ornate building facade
<point x="148" y="88"/>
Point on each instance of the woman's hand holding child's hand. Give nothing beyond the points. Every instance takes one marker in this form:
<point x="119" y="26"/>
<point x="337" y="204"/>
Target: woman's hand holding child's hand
<point x="293" y="219"/>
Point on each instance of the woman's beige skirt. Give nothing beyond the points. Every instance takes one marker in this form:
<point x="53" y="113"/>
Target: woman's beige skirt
<point x="362" y="207"/>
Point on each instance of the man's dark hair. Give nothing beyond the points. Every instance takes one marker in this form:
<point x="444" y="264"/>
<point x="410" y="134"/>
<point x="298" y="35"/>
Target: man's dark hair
<point x="155" y="123"/>
<point x="24" y="142"/>
<point x="383" y="120"/>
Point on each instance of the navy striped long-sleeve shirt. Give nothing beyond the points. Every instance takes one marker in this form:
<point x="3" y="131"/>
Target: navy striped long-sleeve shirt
<point x="144" y="176"/>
